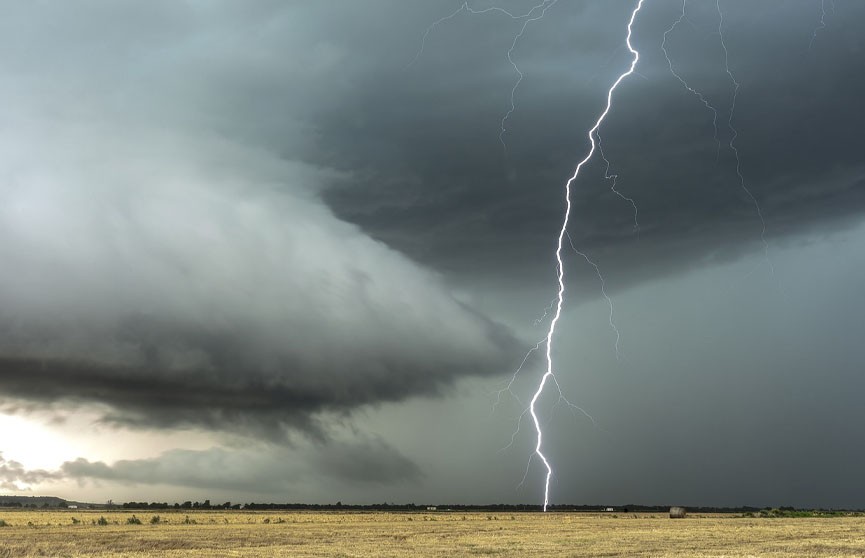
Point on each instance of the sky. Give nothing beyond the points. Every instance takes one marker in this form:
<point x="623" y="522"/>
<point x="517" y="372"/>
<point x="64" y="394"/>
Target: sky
<point x="296" y="252"/>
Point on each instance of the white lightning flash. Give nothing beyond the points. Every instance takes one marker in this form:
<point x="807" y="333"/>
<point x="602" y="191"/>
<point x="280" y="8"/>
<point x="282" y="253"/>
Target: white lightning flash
<point x="613" y="178"/>
<point x="554" y="310"/>
<point x="544" y="6"/>
<point x="699" y="95"/>
<point x="560" y="269"/>
<point x="603" y="283"/>
<point x="735" y="134"/>
<point x="822" y="21"/>
<point x="529" y="16"/>
<point x="576" y="409"/>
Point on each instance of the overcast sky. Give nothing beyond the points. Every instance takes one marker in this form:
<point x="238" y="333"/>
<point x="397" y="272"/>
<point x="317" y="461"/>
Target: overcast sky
<point x="295" y="251"/>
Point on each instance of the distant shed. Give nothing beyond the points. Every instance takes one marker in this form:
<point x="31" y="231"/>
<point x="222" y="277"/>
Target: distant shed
<point x="677" y="512"/>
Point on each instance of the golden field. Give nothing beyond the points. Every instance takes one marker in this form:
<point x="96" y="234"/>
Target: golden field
<point x="303" y="534"/>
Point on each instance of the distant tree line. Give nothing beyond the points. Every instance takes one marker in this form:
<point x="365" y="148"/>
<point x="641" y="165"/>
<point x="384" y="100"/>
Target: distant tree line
<point x="188" y="505"/>
<point x="54" y="502"/>
<point x="32" y="502"/>
<point x="339" y="506"/>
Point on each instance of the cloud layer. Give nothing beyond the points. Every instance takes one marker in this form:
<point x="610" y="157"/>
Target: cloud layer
<point x="182" y="293"/>
<point x="443" y="187"/>
<point x="270" y="470"/>
<point x="251" y="217"/>
<point x="175" y="275"/>
<point x="363" y="462"/>
<point x="15" y="477"/>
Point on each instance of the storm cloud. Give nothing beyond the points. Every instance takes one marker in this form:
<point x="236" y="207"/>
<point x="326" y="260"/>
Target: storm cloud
<point x="284" y="218"/>
<point x="445" y="190"/>
<point x="176" y="293"/>
<point x="269" y="470"/>
<point x="253" y="468"/>
<point x="186" y="279"/>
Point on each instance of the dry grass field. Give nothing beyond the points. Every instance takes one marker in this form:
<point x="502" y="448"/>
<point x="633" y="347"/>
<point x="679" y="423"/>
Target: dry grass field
<point x="300" y="534"/>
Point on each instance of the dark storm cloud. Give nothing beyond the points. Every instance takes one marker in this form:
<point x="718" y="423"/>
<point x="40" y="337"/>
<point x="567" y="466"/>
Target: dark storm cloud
<point x="439" y="186"/>
<point x="237" y="383"/>
<point x="186" y="302"/>
<point x="248" y="216"/>
<point x="165" y="257"/>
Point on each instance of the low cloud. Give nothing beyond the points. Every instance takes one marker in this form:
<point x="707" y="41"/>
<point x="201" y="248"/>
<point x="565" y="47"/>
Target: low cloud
<point x="254" y="468"/>
<point x="14" y="477"/>
<point x="260" y="470"/>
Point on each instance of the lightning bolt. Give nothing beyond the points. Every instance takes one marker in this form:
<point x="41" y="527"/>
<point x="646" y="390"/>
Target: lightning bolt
<point x="547" y="310"/>
<point x="560" y="269"/>
<point x="464" y="7"/>
<point x="544" y="6"/>
<point x="696" y="93"/>
<point x="614" y="179"/>
<point x="735" y="134"/>
<point x="822" y="22"/>
<point x="562" y="399"/>
<point x="603" y="289"/>
<point x="537" y="12"/>
<point x="527" y="18"/>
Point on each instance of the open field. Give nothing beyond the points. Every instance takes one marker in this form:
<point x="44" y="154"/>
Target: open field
<point x="301" y="534"/>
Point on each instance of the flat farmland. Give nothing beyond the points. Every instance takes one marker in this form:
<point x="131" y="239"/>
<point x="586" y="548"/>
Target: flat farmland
<point x="78" y="533"/>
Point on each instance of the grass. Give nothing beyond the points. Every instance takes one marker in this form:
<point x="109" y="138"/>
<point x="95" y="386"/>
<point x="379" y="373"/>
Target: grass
<point x="302" y="534"/>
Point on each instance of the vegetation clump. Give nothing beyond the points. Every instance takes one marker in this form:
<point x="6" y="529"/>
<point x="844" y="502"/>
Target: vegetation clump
<point x="786" y="512"/>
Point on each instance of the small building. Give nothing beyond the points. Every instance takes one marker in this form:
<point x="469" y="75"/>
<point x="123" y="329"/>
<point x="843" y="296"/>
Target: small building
<point x="609" y="509"/>
<point x="431" y="508"/>
<point x="72" y="507"/>
<point x="677" y="512"/>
